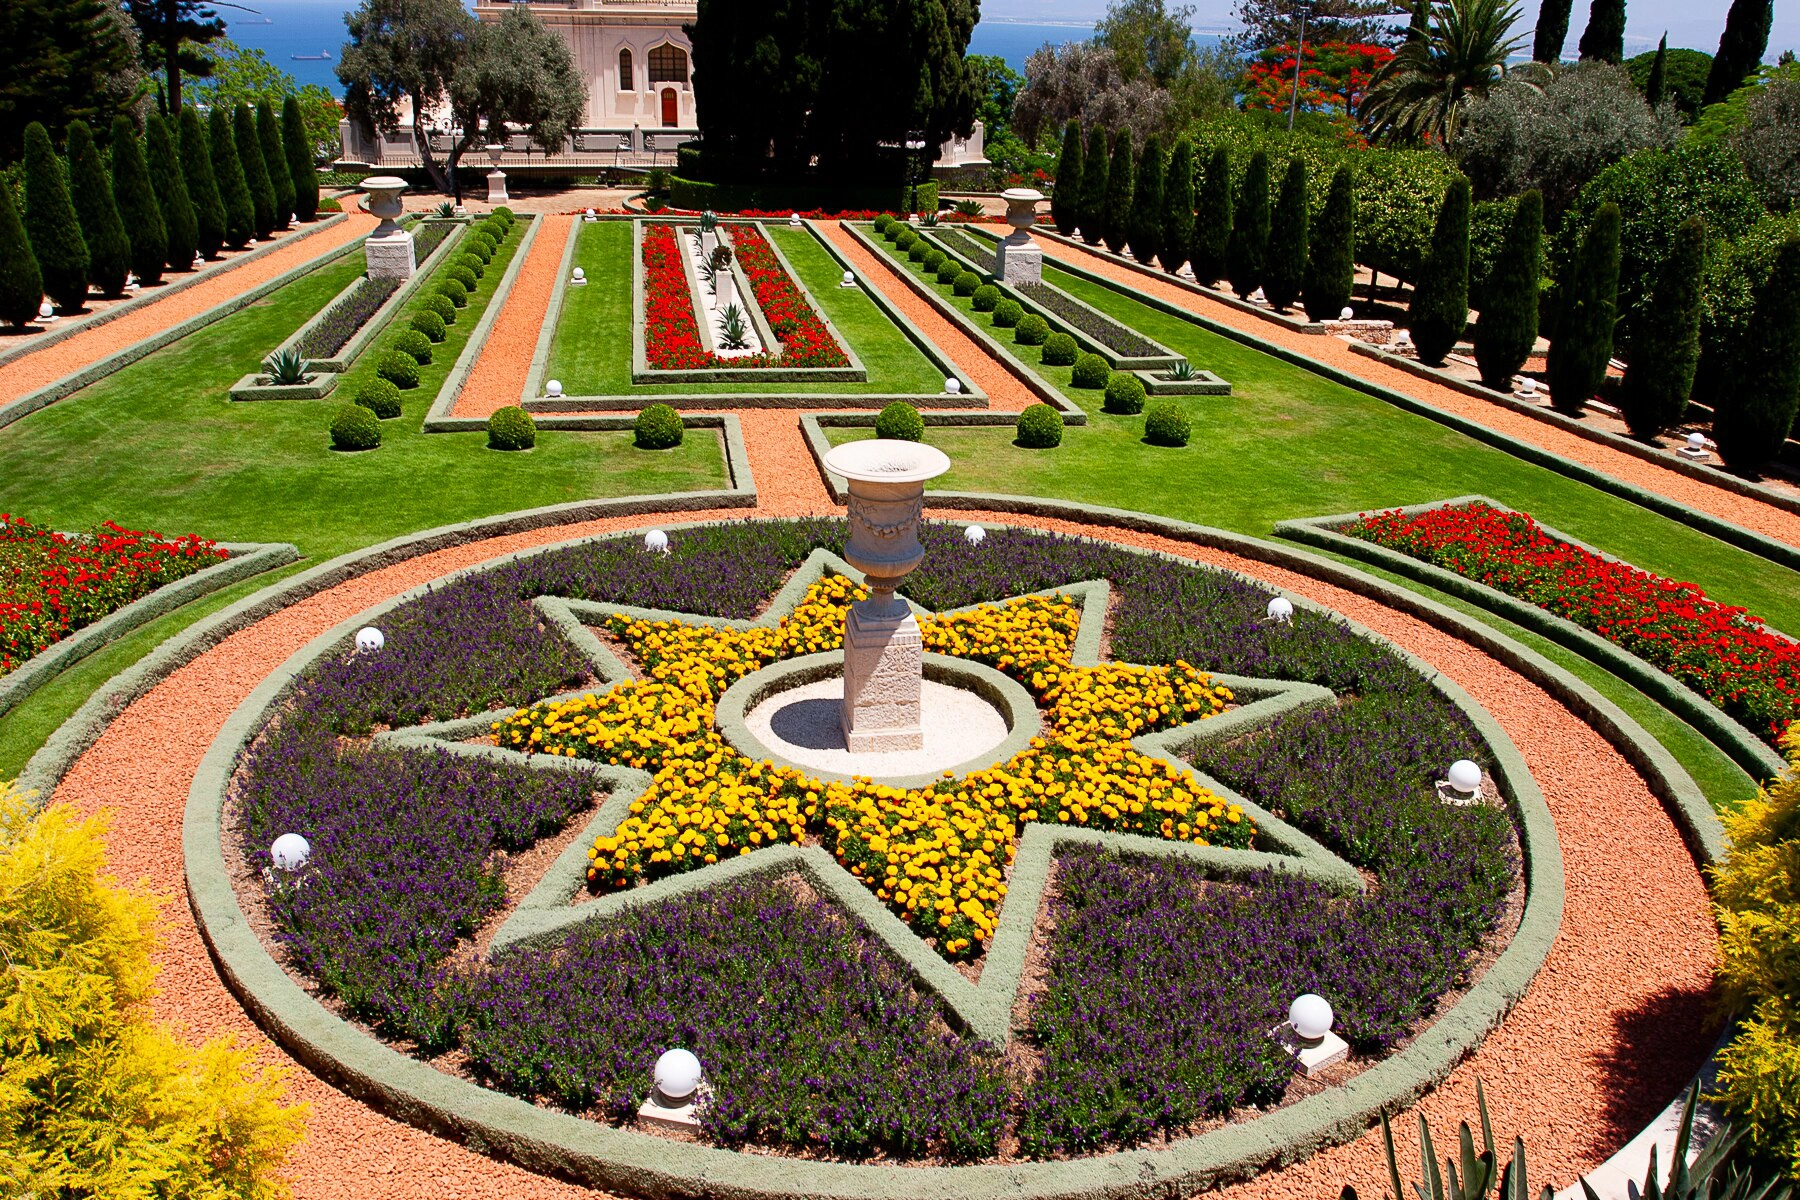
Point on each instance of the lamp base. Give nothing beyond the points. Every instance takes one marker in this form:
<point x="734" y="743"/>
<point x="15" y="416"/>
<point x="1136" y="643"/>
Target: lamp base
<point x="1693" y="455"/>
<point x="682" y="1120"/>
<point x="1314" y="1056"/>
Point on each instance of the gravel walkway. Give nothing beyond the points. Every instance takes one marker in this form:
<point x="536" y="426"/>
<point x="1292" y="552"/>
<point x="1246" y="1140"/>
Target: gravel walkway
<point x="1696" y="494"/>
<point x="41" y="367"/>
<point x="1607" y="1033"/>
<point x="498" y="378"/>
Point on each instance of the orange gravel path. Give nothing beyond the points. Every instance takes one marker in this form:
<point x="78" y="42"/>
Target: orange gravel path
<point x="498" y="378"/>
<point x="1694" y="493"/>
<point x="44" y="366"/>
<point x="1608" y="1031"/>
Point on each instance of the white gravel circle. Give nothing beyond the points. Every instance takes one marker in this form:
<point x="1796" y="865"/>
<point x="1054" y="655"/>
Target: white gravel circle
<point x="801" y="725"/>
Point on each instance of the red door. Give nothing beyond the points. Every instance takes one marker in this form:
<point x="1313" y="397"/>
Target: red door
<point x="671" y="110"/>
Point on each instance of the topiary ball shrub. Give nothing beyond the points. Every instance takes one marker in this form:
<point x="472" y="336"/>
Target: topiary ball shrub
<point x="1008" y="313"/>
<point x="354" y="427"/>
<point x="380" y="397"/>
<point x="472" y="263"/>
<point x="1040" y="428"/>
<point x="1091" y="371"/>
<point x="658" y="428"/>
<point x="906" y="240"/>
<point x="883" y="223"/>
<point x="900" y="421"/>
<point x="481" y="246"/>
<point x="453" y="292"/>
<point x="1032" y="330"/>
<point x="1167" y="425"/>
<point x="967" y="283"/>
<point x="443" y="306"/>
<point x="494" y="229"/>
<point x="948" y="270"/>
<point x="919" y="250"/>
<point x="462" y="275"/>
<point x="511" y="428"/>
<point x="430" y="324"/>
<point x="892" y="232"/>
<point x="985" y="297"/>
<point x="400" y="368"/>
<point x="934" y="258"/>
<point x="1124" y="394"/>
<point x="1060" y="350"/>
<point x="505" y="213"/>
<point x="416" y="344"/>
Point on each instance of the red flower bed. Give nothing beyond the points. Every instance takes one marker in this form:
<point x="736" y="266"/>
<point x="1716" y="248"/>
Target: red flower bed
<point x="1721" y="652"/>
<point x="52" y="585"/>
<point x="804" y="339"/>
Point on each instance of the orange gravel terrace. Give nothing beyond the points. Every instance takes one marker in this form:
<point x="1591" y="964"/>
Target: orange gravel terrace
<point x="498" y="377"/>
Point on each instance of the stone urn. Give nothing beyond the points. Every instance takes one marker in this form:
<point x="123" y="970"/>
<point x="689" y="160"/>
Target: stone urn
<point x="1019" y="259"/>
<point x="389" y="250"/>
<point x="883" y="663"/>
<point x="496" y="178"/>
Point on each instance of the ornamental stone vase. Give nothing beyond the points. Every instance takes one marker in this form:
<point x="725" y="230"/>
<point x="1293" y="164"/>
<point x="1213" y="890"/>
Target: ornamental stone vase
<point x="496" y="178"/>
<point x="389" y="250"/>
<point x="883" y="663"/>
<point x="1019" y="259"/>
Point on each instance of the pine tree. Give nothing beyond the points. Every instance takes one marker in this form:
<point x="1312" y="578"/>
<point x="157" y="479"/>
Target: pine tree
<point x="1284" y="274"/>
<point x="180" y="225"/>
<point x="1331" y="251"/>
<point x="1752" y="426"/>
<point x="109" y="247"/>
<point x="1659" y="67"/>
<point x="1552" y="30"/>
<point x="268" y="136"/>
<point x="1147" y="204"/>
<point x="1604" y="38"/>
<point x="1115" y="219"/>
<point x="1508" y="326"/>
<point x="299" y="159"/>
<point x="1065" y="201"/>
<point x="1178" y="206"/>
<point x="1582" y="344"/>
<point x="256" y="172"/>
<point x="136" y="201"/>
<point x="1093" y="187"/>
<point x="1440" y="303"/>
<point x="202" y="186"/>
<point x="21" y="283"/>
<point x="1741" y="47"/>
<point x="1212" y="220"/>
<point x="51" y="224"/>
<point x="234" y="187"/>
<point x="1665" y="347"/>
<point x="1246" y="254"/>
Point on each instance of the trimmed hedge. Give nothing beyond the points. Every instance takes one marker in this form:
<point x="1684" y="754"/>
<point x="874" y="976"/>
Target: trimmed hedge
<point x="966" y="284"/>
<point x="901" y="422"/>
<point x="1091" y="371"/>
<point x="453" y="292"/>
<point x="109" y="246"/>
<point x="354" y="427"/>
<point x="414" y="344"/>
<point x="704" y="196"/>
<point x="135" y="199"/>
<point x="1060" y="350"/>
<point x="948" y="270"/>
<point x="430" y="324"/>
<point x="1040" y="428"/>
<point x="1032" y="330"/>
<point x="443" y="306"/>
<point x="399" y="367"/>
<point x="1167" y="425"/>
<point x="933" y="259"/>
<point x="380" y="397"/>
<point x="985" y="298"/>
<point x="1124" y="394"/>
<point x="462" y="275"/>
<point x="472" y="263"/>
<point x="1008" y="313"/>
<point x="51" y="224"/>
<point x="658" y="427"/>
<point x="511" y="428"/>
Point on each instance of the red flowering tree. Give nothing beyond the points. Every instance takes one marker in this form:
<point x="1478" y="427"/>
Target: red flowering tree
<point x="1334" y="76"/>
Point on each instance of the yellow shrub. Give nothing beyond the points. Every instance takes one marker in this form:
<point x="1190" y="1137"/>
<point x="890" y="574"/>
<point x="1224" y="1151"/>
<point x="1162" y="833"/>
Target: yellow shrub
<point x="1758" y="892"/>
<point x="95" y="1099"/>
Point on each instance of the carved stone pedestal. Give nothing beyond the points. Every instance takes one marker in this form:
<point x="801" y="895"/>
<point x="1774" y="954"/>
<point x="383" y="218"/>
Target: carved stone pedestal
<point x="388" y="252"/>
<point x="1019" y="259"/>
<point x="882" y="672"/>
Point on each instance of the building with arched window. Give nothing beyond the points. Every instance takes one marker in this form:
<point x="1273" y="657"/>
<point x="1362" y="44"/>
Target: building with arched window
<point x="635" y="58"/>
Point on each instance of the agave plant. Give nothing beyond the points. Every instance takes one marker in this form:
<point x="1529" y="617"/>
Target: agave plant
<point x="968" y="208"/>
<point x="445" y="208"/>
<point x="286" y="368"/>
<point x="734" y="329"/>
<point x="928" y="219"/>
<point x="709" y="276"/>
<point x="1182" y="371"/>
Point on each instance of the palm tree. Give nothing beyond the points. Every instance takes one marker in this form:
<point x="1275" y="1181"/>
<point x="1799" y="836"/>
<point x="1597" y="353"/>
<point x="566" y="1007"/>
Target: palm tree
<point x="1421" y="93"/>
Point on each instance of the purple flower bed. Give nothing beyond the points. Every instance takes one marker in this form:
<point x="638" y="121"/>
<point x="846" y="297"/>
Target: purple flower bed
<point x="348" y="315"/>
<point x="979" y="251"/>
<point x="1160" y="989"/>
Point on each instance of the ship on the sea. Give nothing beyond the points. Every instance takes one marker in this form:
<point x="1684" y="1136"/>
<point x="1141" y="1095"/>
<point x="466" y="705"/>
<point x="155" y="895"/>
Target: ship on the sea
<point x="322" y="56"/>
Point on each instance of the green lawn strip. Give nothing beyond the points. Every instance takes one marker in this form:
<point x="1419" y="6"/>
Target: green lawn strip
<point x="159" y="444"/>
<point x="591" y="352"/>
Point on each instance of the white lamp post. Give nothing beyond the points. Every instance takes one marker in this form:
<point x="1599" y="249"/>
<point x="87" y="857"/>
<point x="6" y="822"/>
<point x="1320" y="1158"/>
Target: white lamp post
<point x="1281" y="610"/>
<point x="578" y="277"/>
<point x="849" y="280"/>
<point x="553" y="388"/>
<point x="1307" y="1034"/>
<point x="1695" y="450"/>
<point x="952" y="386"/>
<point x="656" y="541"/>
<point x="675" y="1086"/>
<point x="389" y="250"/>
<point x="290" y="852"/>
<point x="975" y="535"/>
<point x="370" y="640"/>
<point x="1463" y="787"/>
<point x="1019" y="259"/>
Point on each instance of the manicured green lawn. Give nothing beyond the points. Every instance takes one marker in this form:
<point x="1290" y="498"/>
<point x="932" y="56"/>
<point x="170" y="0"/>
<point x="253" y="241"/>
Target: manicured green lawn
<point x="591" y="353"/>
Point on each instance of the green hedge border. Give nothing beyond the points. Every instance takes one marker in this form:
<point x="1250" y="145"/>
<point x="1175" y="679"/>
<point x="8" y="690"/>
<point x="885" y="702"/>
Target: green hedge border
<point x="250" y="388"/>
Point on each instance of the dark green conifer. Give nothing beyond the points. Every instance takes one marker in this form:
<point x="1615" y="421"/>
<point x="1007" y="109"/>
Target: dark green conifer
<point x="1604" y="38"/>
<point x="1586" y="308"/>
<point x="256" y="172"/>
<point x="1284" y="274"/>
<point x="51" y="223"/>
<point x="1178" y="207"/>
<point x="234" y="186"/>
<point x="1440" y="303"/>
<point x="1094" y="162"/>
<point x="1147" y="203"/>
<point x="1065" y="201"/>
<point x="1552" y="30"/>
<point x="1331" y="251"/>
<point x="1751" y="427"/>
<point x="21" y="283"/>
<point x="1212" y="220"/>
<point x="1508" y="326"/>
<point x="180" y="226"/>
<point x="1665" y="349"/>
<point x="136" y="201"/>
<point x="299" y="160"/>
<point x="1121" y="177"/>
<point x="202" y="185"/>
<point x="1246" y="255"/>
<point x="1659" y="68"/>
<point x="109" y="247"/>
<point x="1741" y="47"/>
<point x="268" y="136"/>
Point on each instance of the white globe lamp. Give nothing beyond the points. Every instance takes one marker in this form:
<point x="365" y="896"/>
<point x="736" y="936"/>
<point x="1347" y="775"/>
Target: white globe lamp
<point x="975" y="535"/>
<point x="579" y="275"/>
<point x="1311" y="1017"/>
<point x="370" y="640"/>
<point x="849" y="280"/>
<point x="47" y="311"/>
<point x="656" y="541"/>
<point x="952" y="386"/>
<point x="1696" y="441"/>
<point x="1346" y="313"/>
<point x="290" y="852"/>
<point x="1465" y="776"/>
<point x="1281" y="609"/>
<point x="1402" y="338"/>
<point x="553" y="388"/>
<point x="677" y="1077"/>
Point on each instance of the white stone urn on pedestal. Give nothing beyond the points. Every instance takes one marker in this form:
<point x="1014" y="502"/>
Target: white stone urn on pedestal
<point x="496" y="177"/>
<point x="883" y="657"/>
<point x="1019" y="259"/>
<point x="389" y="250"/>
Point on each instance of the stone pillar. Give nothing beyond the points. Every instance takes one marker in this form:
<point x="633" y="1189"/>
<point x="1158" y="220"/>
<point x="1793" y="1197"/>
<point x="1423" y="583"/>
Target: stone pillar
<point x="1019" y="259"/>
<point x="496" y="178"/>
<point x="389" y="250"/>
<point x="883" y="656"/>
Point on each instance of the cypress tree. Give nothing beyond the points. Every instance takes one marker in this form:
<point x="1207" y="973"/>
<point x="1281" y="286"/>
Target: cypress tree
<point x="1440" y="303"/>
<point x="51" y="224"/>
<point x="109" y="247"/>
<point x="1582" y="345"/>
<point x="1659" y="67"/>
<point x="256" y="171"/>
<point x="268" y="135"/>
<point x="1552" y="30"/>
<point x="1246" y="254"/>
<point x="1115" y="218"/>
<point x="1741" y="47"/>
<point x="1212" y="220"/>
<point x="1065" y="201"/>
<point x="299" y="160"/>
<point x="234" y="188"/>
<point x="21" y="283"/>
<point x="1508" y="326"/>
<point x="1284" y="274"/>
<point x="180" y="225"/>
<point x="1604" y="38"/>
<point x="1418" y="25"/>
<point x="1093" y="187"/>
<point x="1178" y="206"/>
<point x="202" y="186"/>
<point x="1665" y="347"/>
<point x="1147" y="205"/>
<point x="1331" y="251"/>
<point x="1751" y="428"/>
<point x="137" y="205"/>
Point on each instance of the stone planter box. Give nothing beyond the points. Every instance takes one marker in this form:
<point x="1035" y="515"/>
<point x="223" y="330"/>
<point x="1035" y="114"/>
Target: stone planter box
<point x="1204" y="383"/>
<point x="318" y="385"/>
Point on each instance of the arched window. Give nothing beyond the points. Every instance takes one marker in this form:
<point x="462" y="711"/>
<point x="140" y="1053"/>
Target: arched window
<point x="668" y="64"/>
<point x="625" y="70"/>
